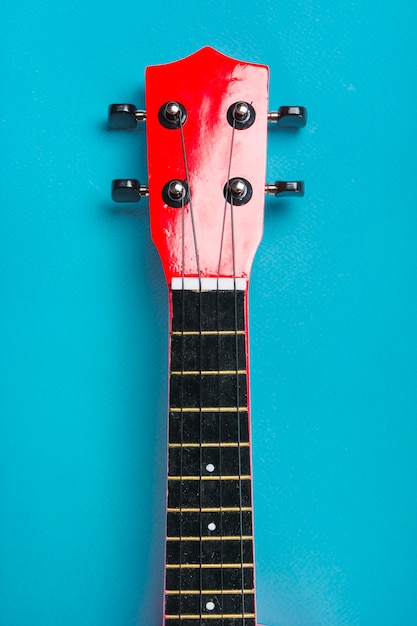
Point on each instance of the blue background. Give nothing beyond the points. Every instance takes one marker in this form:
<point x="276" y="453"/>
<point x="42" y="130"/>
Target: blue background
<point x="333" y="315"/>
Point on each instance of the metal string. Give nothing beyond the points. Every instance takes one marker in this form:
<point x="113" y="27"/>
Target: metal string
<point x="238" y="405"/>
<point x="220" y="451"/>
<point x="187" y="179"/>
<point x="218" y="367"/>
<point x="182" y="400"/>
<point x="201" y="457"/>
<point x="229" y="167"/>
<point x="200" y="378"/>
<point x="237" y="375"/>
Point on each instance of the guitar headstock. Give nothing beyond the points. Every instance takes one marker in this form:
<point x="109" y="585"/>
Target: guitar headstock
<point x="206" y="118"/>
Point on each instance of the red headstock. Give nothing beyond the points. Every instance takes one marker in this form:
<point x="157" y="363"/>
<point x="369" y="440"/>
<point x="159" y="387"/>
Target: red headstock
<point x="206" y="119"/>
<point x="206" y="84"/>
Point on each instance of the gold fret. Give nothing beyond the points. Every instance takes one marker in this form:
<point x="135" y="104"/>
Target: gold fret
<point x="197" y="592"/>
<point x="208" y="409"/>
<point x="224" y="509"/>
<point x="244" y="477"/>
<point x="207" y="565"/>
<point x="179" y="333"/>
<point x="213" y="538"/>
<point x="235" y="444"/>
<point x="210" y="616"/>
<point x="206" y="372"/>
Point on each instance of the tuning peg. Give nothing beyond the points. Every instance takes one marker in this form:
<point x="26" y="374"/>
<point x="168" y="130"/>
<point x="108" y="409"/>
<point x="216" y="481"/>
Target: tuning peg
<point x="289" y="117"/>
<point x="128" y="190"/>
<point x="286" y="188"/>
<point x="124" y="116"/>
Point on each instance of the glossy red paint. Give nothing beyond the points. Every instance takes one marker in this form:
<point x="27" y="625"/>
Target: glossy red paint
<point x="206" y="83"/>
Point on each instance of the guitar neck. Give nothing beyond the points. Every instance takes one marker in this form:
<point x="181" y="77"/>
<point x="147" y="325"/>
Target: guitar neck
<point x="209" y="551"/>
<point x="206" y="126"/>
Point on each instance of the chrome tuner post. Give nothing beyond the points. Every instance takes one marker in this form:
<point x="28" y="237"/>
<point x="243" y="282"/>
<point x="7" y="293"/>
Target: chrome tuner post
<point x="289" y="117"/>
<point x="125" y="116"/>
<point x="283" y="188"/>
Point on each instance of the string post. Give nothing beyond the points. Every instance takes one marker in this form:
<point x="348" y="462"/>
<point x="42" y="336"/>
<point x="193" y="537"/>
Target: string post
<point x="176" y="193"/>
<point x="176" y="190"/>
<point x="241" y="115"/>
<point x="241" y="111"/>
<point x="237" y="188"/>
<point x="172" y="111"/>
<point x="238" y="191"/>
<point x="172" y="114"/>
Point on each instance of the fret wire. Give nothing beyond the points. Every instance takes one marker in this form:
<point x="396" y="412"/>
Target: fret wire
<point x="212" y="538"/>
<point x="224" y="509"/>
<point x="219" y="477"/>
<point x="209" y="566"/>
<point x="225" y="444"/>
<point x="207" y="332"/>
<point x="209" y="409"/>
<point x="194" y="592"/>
<point x="207" y="372"/>
<point x="209" y="616"/>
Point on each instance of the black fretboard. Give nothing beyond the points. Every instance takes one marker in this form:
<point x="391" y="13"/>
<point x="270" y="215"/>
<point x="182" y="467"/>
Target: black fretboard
<point x="209" y="555"/>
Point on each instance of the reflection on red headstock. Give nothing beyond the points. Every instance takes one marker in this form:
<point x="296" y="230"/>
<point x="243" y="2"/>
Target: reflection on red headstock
<point x="206" y="83"/>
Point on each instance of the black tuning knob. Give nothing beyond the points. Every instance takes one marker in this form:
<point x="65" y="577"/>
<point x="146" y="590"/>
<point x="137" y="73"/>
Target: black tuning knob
<point x="128" y="190"/>
<point x="124" y="116"/>
<point x="289" y="117"/>
<point x="286" y="188"/>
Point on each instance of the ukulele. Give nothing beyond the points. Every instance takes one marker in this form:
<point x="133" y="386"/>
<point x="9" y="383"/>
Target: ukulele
<point x="206" y="125"/>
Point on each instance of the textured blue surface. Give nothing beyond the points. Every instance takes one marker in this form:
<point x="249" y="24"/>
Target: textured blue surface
<point x="333" y="315"/>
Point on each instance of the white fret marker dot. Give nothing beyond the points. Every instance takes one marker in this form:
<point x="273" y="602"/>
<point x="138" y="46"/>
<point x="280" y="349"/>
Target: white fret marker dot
<point x="210" y="606"/>
<point x="210" y="467"/>
<point x="212" y="526"/>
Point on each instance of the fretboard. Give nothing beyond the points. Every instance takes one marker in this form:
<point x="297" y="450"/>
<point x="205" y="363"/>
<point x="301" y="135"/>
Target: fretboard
<point x="209" y="554"/>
